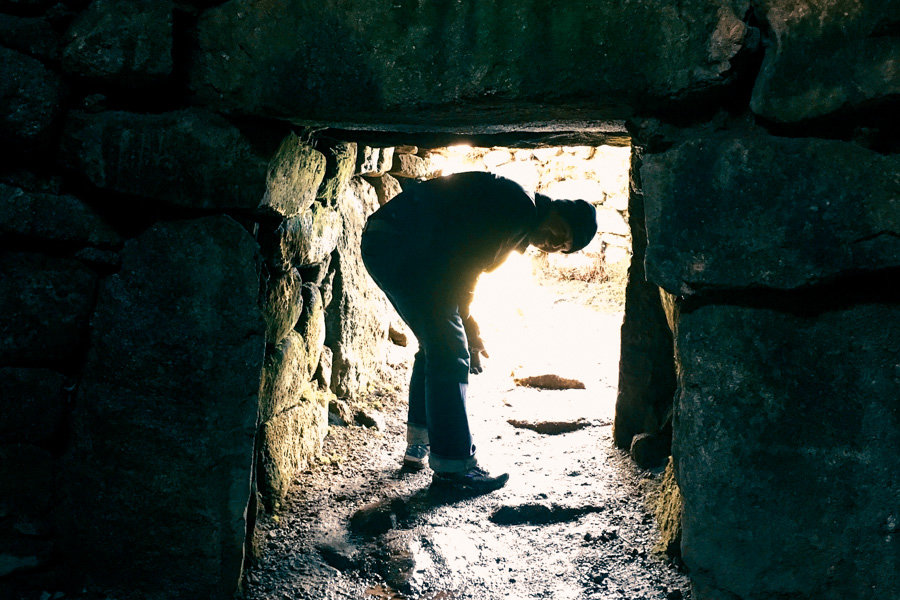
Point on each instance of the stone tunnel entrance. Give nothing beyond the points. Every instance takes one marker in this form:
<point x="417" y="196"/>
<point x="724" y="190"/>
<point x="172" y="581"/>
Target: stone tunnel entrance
<point x="348" y="522"/>
<point x="138" y="140"/>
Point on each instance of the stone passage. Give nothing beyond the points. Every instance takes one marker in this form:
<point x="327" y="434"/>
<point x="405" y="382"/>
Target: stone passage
<point x="180" y="293"/>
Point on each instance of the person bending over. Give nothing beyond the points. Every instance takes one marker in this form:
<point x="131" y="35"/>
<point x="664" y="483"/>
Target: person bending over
<point x="425" y="249"/>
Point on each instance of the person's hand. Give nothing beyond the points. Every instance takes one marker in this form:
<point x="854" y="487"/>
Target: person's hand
<point x="475" y="366"/>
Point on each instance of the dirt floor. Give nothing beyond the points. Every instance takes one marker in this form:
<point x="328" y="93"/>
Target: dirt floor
<point x="571" y="523"/>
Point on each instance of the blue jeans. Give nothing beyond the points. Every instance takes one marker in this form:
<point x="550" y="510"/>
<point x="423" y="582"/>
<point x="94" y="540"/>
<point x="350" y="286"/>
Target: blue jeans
<point x="440" y="374"/>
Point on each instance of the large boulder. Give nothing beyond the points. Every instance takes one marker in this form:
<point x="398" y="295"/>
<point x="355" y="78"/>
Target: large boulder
<point x="123" y="42"/>
<point x="52" y="218"/>
<point x="358" y="315"/>
<point x="330" y="60"/>
<point x="743" y="209"/>
<point x="166" y="414"/>
<point x="45" y="303"/>
<point x="828" y="57"/>
<point x="30" y="98"/>
<point x="186" y="158"/>
<point x="785" y="445"/>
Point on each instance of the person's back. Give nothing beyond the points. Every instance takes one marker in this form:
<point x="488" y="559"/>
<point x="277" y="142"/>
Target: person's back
<point x="426" y="248"/>
<point x="463" y="224"/>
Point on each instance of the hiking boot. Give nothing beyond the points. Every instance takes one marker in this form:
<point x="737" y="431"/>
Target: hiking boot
<point x="474" y="481"/>
<point x="416" y="456"/>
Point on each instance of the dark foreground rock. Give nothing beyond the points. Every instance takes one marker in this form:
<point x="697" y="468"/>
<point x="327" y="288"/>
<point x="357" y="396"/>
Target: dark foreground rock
<point x="789" y="482"/>
<point x="768" y="212"/>
<point x="166" y="415"/>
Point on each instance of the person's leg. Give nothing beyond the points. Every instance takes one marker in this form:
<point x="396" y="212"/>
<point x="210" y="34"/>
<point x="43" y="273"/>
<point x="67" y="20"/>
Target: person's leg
<point x="452" y="455"/>
<point x="417" y="432"/>
<point x="390" y="268"/>
<point x="443" y="338"/>
<point x="417" y="441"/>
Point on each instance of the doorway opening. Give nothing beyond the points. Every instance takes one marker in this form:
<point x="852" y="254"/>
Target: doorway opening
<point x="572" y="521"/>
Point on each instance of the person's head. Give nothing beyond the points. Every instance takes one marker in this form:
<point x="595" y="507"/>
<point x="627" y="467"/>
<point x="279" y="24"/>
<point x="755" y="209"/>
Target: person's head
<point x="566" y="226"/>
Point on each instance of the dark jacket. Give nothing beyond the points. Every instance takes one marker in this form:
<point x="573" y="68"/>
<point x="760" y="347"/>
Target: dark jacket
<point x="462" y="225"/>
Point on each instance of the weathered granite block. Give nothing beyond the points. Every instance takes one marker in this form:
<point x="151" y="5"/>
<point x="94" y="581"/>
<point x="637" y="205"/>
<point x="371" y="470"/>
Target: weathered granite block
<point x="166" y="415"/>
<point x="374" y="161"/>
<point x="327" y="60"/>
<point x="187" y="158"/>
<point x="285" y="377"/>
<point x="126" y="42"/>
<point x="45" y="304"/>
<point x="386" y="187"/>
<point x="31" y="35"/>
<point x="646" y="367"/>
<point x="409" y="166"/>
<point x="743" y="209"/>
<point x="827" y="57"/>
<point x="785" y="444"/>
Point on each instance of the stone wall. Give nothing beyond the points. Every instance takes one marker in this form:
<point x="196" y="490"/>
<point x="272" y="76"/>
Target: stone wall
<point x="176" y="261"/>
<point x="166" y="276"/>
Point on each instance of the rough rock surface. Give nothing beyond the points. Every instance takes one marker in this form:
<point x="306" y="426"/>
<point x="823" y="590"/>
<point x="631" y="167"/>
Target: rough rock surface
<point x="166" y="414"/>
<point x="52" y="217"/>
<point x="373" y="161"/>
<point x="311" y="325"/>
<point x="285" y="376"/>
<point x="283" y="306"/>
<point x="788" y="462"/>
<point x="30" y="95"/>
<point x="294" y="417"/>
<point x="386" y="187"/>
<point x="827" y="57"/>
<point x="304" y="240"/>
<point x="669" y="507"/>
<point x="33" y="405"/>
<point x="45" y="303"/>
<point x="409" y="166"/>
<point x="294" y="176"/>
<point x="646" y="385"/>
<point x="358" y="315"/>
<point x="339" y="167"/>
<point x="187" y="158"/>
<point x="745" y="209"/>
<point x="304" y="60"/>
<point x="124" y="42"/>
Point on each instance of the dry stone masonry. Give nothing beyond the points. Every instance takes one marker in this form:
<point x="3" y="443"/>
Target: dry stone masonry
<point x="182" y="190"/>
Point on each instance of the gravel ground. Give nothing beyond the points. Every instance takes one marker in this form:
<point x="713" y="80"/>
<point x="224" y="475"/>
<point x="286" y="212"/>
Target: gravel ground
<point x="571" y="523"/>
